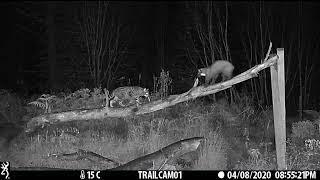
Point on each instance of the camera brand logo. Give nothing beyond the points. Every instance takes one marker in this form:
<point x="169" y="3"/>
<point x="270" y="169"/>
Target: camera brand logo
<point x="5" y="170"/>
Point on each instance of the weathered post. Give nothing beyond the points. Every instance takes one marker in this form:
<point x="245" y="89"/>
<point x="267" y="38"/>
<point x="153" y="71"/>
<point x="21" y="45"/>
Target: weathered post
<point x="279" y="108"/>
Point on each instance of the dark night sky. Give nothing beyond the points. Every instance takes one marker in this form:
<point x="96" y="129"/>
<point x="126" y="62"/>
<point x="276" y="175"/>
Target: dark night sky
<point x="19" y="47"/>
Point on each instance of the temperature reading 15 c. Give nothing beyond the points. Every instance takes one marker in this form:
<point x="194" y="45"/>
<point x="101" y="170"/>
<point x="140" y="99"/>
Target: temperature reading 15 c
<point x="90" y="175"/>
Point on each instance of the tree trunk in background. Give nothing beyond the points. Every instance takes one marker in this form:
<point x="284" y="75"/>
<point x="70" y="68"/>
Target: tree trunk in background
<point x="300" y="68"/>
<point x="51" y="45"/>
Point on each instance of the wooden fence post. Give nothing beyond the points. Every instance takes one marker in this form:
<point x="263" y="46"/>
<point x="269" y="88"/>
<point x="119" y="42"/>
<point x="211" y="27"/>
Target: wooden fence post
<point x="279" y="108"/>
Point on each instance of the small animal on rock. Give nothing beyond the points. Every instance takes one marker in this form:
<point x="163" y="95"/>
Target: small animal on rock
<point x="211" y="73"/>
<point x="127" y="95"/>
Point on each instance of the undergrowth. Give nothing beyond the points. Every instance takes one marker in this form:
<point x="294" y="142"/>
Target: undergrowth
<point x="238" y="135"/>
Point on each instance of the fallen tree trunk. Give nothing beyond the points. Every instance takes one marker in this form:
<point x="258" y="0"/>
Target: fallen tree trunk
<point x="87" y="155"/>
<point x="166" y="155"/>
<point x="101" y="113"/>
<point x="155" y="160"/>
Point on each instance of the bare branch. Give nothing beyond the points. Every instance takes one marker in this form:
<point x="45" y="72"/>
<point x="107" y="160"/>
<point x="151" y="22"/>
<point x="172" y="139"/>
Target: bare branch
<point x="268" y="53"/>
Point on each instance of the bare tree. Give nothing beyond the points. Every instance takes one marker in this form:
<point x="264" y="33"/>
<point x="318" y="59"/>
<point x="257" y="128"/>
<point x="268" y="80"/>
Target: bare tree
<point x="260" y="28"/>
<point x="254" y="40"/>
<point x="210" y="40"/>
<point x="101" y="37"/>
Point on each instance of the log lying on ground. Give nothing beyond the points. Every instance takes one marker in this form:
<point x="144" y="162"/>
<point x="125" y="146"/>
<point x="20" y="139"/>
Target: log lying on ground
<point x="164" y="156"/>
<point x="101" y="113"/>
<point x="156" y="160"/>
<point x="75" y="156"/>
<point x="85" y="155"/>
